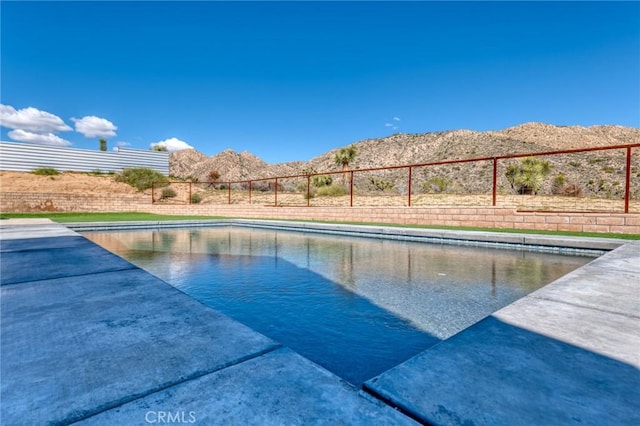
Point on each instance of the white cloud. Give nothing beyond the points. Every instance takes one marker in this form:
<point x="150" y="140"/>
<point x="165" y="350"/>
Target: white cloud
<point x="92" y="127"/>
<point x="393" y="124"/>
<point x="39" y="138"/>
<point x="172" y="144"/>
<point x="31" y="120"/>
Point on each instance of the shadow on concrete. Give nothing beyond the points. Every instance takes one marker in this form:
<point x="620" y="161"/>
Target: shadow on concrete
<point x="56" y="257"/>
<point x="495" y="373"/>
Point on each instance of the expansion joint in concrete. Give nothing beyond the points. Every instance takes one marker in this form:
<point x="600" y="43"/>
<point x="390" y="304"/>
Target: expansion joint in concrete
<point x="378" y="396"/>
<point x="88" y="274"/>
<point x="196" y="375"/>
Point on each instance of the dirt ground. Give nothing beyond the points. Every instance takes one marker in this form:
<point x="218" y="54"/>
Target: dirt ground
<point x="67" y="182"/>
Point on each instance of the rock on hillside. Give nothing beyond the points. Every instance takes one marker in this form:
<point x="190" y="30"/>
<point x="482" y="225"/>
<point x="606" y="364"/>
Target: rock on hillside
<point x="231" y="166"/>
<point x="569" y="137"/>
<point x="183" y="163"/>
<point x="422" y="148"/>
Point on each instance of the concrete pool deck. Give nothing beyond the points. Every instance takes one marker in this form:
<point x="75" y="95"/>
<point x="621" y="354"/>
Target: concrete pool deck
<point x="87" y="337"/>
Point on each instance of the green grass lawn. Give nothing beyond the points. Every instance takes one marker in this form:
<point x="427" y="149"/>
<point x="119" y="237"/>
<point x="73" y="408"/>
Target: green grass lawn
<point x="525" y="231"/>
<point x="132" y="216"/>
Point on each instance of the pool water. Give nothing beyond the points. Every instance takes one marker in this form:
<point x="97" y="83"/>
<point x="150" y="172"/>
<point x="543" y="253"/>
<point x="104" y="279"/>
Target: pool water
<point x="356" y="306"/>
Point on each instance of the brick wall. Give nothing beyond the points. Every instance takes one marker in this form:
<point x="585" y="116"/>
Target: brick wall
<point x="16" y="202"/>
<point x="486" y="217"/>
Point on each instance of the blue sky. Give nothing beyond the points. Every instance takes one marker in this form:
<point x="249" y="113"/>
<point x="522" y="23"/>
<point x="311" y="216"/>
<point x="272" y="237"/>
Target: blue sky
<point x="291" y="80"/>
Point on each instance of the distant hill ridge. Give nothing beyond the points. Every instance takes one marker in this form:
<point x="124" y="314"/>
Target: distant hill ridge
<point x="400" y="149"/>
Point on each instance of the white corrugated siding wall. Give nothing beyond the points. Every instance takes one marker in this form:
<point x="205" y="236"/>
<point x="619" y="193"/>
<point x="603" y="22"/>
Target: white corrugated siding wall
<point x="25" y="157"/>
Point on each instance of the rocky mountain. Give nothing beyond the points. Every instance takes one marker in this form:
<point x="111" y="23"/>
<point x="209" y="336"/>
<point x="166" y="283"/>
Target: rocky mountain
<point x="569" y="137"/>
<point x="232" y="166"/>
<point x="462" y="144"/>
<point x="586" y="170"/>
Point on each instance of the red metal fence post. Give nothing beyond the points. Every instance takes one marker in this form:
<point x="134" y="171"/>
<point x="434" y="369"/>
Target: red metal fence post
<point x="308" y="190"/>
<point x="351" y="189"/>
<point x="153" y="192"/>
<point x="627" y="183"/>
<point x="495" y="181"/>
<point x="190" y="192"/>
<point x="409" y="186"/>
<point x="250" y="192"/>
<point x="276" y="193"/>
<point x="229" y="191"/>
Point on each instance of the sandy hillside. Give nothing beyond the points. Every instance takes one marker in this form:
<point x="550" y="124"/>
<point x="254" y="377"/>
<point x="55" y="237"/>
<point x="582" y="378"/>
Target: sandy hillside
<point x="67" y="182"/>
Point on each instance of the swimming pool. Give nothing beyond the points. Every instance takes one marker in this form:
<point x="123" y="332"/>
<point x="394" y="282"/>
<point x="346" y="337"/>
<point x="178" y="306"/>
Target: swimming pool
<point x="356" y="306"/>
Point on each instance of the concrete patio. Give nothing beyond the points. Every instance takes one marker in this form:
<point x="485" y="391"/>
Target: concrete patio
<point x="88" y="338"/>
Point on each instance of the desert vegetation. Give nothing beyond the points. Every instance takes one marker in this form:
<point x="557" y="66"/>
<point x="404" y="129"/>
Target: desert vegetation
<point x="141" y="178"/>
<point x="45" y="171"/>
<point x="528" y="175"/>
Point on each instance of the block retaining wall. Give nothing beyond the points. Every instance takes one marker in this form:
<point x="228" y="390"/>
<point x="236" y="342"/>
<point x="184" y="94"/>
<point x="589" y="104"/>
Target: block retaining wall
<point x="486" y="217"/>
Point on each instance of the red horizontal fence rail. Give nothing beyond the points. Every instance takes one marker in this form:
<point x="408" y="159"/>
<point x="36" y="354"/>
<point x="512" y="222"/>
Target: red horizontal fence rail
<point x="494" y="159"/>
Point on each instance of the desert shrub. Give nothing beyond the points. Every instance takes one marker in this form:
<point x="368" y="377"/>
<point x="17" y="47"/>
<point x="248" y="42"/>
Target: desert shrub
<point x="436" y="184"/>
<point x="264" y="186"/>
<point x="332" y="191"/>
<point x="98" y="172"/>
<point x="302" y="187"/>
<point x="45" y="171"/>
<point x="571" y="190"/>
<point x="141" y="178"/>
<point x="213" y="175"/>
<point x="528" y="176"/>
<point x="558" y="185"/>
<point x="322" y="180"/>
<point x="379" y="184"/>
<point x="608" y="169"/>
<point x="196" y="198"/>
<point x="167" y="193"/>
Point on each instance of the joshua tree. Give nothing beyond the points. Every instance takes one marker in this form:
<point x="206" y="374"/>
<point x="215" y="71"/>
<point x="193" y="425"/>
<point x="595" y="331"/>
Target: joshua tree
<point x="103" y="144"/>
<point x="344" y="157"/>
<point x="528" y="176"/>
<point x="160" y="148"/>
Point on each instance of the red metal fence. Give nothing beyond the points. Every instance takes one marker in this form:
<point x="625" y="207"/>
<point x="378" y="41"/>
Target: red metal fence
<point x="393" y="188"/>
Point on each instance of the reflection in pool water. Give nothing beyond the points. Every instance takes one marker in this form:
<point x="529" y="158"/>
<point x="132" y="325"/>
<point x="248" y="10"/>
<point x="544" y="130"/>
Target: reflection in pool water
<point x="356" y="306"/>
